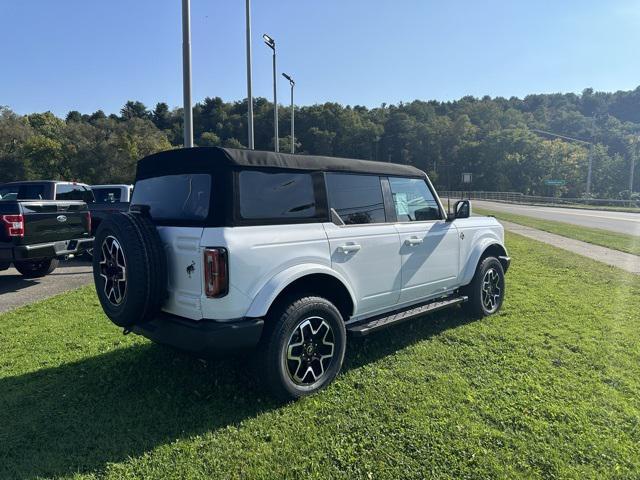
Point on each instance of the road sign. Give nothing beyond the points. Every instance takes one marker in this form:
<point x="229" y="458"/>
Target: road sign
<point x="467" y="177"/>
<point x="556" y="183"/>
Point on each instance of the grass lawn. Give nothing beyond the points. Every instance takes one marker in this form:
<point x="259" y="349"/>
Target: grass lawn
<point x="549" y="388"/>
<point x="616" y="241"/>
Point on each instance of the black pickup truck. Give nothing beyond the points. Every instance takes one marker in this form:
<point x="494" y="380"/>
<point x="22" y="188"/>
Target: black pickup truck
<point x="35" y="233"/>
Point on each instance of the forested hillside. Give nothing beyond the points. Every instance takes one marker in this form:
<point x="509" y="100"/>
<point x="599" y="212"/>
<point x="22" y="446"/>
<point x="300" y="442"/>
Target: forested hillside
<point x="489" y="137"/>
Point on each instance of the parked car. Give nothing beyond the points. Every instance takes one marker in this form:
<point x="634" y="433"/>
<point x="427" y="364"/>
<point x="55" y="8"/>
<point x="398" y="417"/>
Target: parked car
<point x="229" y="249"/>
<point x="35" y="234"/>
<point x="109" y="199"/>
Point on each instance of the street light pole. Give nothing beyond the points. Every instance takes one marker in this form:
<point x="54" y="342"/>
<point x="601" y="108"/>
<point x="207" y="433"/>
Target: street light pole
<point x="249" y="93"/>
<point x="186" y="73"/>
<point x="293" y="109"/>
<point x="271" y="43"/>
<point x="577" y="140"/>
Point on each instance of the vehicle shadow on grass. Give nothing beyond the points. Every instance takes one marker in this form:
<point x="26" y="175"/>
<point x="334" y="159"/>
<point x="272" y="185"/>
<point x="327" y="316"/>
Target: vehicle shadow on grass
<point x="80" y="416"/>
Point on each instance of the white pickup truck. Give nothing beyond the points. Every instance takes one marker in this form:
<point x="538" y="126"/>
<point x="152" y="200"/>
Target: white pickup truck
<point x="227" y="249"/>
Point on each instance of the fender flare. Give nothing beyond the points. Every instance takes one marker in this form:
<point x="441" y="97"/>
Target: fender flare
<point x="472" y="261"/>
<point x="270" y="291"/>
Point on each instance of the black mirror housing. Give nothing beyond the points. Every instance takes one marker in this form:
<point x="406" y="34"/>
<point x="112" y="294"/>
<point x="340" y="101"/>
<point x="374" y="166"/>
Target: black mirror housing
<point x="462" y="209"/>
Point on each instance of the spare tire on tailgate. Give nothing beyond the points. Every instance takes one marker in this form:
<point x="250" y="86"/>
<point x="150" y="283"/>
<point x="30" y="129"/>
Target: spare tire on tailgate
<point x="129" y="268"/>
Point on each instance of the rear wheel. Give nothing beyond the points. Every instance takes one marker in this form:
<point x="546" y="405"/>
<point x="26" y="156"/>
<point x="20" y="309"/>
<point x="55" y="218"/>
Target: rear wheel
<point x="303" y="347"/>
<point x="486" y="290"/>
<point x="36" y="268"/>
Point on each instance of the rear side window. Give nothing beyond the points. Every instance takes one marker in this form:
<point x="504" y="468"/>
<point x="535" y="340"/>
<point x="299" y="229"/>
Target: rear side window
<point x="356" y="198"/>
<point x="413" y="200"/>
<point x="68" y="191"/>
<point x="175" y="197"/>
<point x="276" y="195"/>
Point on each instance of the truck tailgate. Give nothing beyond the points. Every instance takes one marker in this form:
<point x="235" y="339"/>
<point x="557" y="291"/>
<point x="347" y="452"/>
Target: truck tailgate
<point x="52" y="221"/>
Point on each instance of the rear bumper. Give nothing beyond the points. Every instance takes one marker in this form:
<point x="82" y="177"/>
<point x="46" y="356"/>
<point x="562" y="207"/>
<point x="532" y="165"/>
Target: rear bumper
<point x="45" y="250"/>
<point x="204" y="338"/>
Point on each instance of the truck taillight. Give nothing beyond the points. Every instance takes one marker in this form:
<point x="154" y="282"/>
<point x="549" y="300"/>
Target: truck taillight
<point x="14" y="224"/>
<point x="216" y="272"/>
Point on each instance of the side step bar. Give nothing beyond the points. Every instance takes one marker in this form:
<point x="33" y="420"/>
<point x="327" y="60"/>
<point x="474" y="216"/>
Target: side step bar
<point x="378" y="323"/>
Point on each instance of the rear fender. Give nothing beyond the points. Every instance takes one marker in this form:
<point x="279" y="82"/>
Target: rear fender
<point x="262" y="302"/>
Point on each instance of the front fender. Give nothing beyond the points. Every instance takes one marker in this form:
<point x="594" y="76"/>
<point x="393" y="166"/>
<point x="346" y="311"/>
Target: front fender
<point x="265" y="297"/>
<point x="480" y="245"/>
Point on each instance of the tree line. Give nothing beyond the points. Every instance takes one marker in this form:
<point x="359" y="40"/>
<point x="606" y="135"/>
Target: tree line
<point x="495" y="139"/>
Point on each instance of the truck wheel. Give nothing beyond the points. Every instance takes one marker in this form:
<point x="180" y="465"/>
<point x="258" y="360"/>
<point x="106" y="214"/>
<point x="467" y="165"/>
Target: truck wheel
<point x="486" y="290"/>
<point x="303" y="347"/>
<point x="36" y="268"/>
<point x="129" y="268"/>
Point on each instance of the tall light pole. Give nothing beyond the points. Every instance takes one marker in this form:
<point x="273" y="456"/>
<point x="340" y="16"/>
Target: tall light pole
<point x="249" y="94"/>
<point x="293" y="109"/>
<point x="271" y="43"/>
<point x="576" y="140"/>
<point x="186" y="73"/>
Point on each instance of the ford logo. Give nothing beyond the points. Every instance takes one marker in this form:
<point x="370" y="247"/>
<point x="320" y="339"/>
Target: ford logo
<point x="61" y="218"/>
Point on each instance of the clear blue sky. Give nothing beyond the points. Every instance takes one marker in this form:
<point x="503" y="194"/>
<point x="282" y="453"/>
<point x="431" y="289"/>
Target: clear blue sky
<point x="86" y="55"/>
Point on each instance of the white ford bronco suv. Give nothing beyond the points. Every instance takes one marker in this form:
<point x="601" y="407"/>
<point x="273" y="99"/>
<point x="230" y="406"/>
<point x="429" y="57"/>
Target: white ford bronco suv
<point x="228" y="249"/>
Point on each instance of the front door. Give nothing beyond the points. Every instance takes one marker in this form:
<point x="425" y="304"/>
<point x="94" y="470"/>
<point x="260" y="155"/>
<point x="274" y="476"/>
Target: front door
<point x="429" y="244"/>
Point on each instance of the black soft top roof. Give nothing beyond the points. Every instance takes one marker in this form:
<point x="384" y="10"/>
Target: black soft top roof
<point x="206" y="159"/>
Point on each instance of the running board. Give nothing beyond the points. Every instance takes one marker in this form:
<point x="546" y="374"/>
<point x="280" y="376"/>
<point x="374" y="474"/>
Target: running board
<point x="378" y="323"/>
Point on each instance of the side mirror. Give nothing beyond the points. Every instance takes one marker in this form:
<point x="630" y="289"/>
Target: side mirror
<point x="462" y="209"/>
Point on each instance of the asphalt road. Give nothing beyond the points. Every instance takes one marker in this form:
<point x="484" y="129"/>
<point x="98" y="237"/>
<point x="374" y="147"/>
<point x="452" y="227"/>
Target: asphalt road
<point x="620" y="222"/>
<point x="15" y="290"/>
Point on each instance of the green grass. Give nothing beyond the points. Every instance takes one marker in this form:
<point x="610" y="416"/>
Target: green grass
<point x="604" y="238"/>
<point x="549" y="388"/>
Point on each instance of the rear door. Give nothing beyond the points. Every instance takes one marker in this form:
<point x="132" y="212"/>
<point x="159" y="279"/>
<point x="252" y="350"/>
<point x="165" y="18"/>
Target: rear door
<point x="178" y="205"/>
<point x="366" y="249"/>
<point x="429" y="244"/>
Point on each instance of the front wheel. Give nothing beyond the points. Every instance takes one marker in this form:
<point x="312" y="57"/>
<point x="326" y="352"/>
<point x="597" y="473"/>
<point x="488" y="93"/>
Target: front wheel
<point x="303" y="347"/>
<point x="36" y="268"/>
<point x="486" y="290"/>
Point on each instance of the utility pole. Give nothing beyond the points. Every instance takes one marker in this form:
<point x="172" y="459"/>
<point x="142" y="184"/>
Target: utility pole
<point x="186" y="73"/>
<point x="293" y="109"/>
<point x="590" y="169"/>
<point x="271" y="43"/>
<point x="249" y="93"/>
<point x="633" y="151"/>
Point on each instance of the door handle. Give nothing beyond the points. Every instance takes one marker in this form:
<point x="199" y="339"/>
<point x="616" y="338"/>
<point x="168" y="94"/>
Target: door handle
<point x="349" y="248"/>
<point x="413" y="241"/>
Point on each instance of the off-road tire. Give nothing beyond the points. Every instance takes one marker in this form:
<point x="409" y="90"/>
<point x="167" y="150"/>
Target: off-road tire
<point x="476" y="306"/>
<point x="36" y="268"/>
<point x="280" y="327"/>
<point x="145" y="267"/>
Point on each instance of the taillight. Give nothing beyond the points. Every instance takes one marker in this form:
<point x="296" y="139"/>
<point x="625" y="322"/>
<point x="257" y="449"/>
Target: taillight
<point x="89" y="222"/>
<point x="14" y="225"/>
<point x="216" y="272"/>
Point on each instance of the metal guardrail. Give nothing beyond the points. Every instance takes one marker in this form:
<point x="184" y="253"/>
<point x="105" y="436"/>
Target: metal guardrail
<point x="520" y="198"/>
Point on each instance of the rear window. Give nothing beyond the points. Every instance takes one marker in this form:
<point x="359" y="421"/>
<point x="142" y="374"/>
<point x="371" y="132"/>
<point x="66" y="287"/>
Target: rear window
<point x="107" y="195"/>
<point x="22" y="192"/>
<point x="69" y="191"/>
<point x="175" y="197"/>
<point x="276" y="195"/>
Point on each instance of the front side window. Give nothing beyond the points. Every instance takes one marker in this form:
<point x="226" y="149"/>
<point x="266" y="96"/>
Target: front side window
<point x="356" y="198"/>
<point x="175" y="197"/>
<point x="413" y="200"/>
<point x="69" y="191"/>
<point x="276" y="195"/>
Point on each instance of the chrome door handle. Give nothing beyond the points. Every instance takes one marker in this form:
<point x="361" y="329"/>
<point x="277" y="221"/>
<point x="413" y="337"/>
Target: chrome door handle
<point x="413" y="241"/>
<point x="349" y="248"/>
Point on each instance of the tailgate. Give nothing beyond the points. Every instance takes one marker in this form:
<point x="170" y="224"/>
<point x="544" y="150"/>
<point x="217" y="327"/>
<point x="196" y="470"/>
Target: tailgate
<point x="52" y="221"/>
